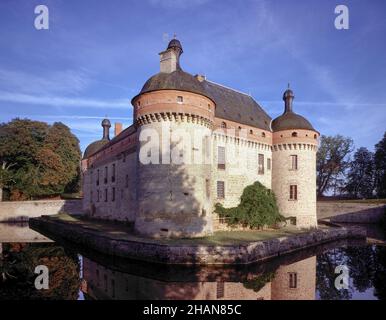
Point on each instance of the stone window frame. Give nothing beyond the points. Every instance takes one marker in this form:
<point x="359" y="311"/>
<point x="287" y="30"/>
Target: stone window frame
<point x="223" y="125"/>
<point x="113" y="194"/>
<point x="220" y="189"/>
<point x="222" y="155"/>
<point x="97" y="181"/>
<point x="106" y="174"/>
<point x="293" y="192"/>
<point x="220" y="290"/>
<point x="113" y="172"/>
<point x="106" y="195"/>
<point x="260" y="164"/>
<point x="292" y="280"/>
<point x="294" y="162"/>
<point x="180" y="99"/>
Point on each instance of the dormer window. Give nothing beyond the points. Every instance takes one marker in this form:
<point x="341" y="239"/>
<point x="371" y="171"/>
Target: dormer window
<point x="180" y="99"/>
<point x="294" y="134"/>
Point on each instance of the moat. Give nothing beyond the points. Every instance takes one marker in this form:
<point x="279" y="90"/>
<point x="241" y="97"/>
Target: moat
<point x="77" y="274"/>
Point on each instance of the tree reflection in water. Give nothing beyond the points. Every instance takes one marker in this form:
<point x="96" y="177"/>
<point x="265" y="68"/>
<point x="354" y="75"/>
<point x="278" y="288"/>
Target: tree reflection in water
<point x="367" y="270"/>
<point x="17" y="266"/>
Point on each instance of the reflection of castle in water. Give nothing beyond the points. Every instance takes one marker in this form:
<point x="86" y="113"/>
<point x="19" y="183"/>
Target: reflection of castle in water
<point x="295" y="281"/>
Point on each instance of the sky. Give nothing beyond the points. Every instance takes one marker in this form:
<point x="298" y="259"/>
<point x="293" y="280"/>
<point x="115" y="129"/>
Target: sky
<point x="96" y="55"/>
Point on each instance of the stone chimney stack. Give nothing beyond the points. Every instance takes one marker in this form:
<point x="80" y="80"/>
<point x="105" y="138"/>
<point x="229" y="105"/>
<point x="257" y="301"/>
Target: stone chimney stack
<point x="117" y="128"/>
<point x="170" y="58"/>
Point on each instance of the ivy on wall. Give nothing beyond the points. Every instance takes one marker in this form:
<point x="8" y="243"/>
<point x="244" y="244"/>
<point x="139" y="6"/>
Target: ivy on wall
<point x="257" y="208"/>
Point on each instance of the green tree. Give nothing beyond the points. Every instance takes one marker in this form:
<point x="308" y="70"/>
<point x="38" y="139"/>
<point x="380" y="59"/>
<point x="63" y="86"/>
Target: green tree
<point x="6" y="177"/>
<point x="332" y="161"/>
<point x="360" y="177"/>
<point x="257" y="208"/>
<point x="45" y="158"/>
<point x="380" y="167"/>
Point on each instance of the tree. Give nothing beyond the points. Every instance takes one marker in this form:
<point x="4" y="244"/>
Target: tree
<point x="380" y="167"/>
<point x="45" y="158"/>
<point x="257" y="208"/>
<point x="5" y="177"/>
<point x="360" y="177"/>
<point x="332" y="160"/>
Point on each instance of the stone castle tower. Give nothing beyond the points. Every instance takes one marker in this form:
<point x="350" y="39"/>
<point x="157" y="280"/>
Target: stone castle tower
<point x="294" y="149"/>
<point x="149" y="176"/>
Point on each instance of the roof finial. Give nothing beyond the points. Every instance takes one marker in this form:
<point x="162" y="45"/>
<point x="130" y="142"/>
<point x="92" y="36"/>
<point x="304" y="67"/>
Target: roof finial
<point x="174" y="36"/>
<point x="288" y="85"/>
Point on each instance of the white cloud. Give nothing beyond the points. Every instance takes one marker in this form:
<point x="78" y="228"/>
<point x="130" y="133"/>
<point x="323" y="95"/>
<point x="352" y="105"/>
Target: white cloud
<point x="62" y="101"/>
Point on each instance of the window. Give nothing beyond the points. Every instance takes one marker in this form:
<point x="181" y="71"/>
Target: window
<point x="97" y="277"/>
<point x="105" y="195"/>
<point x="223" y="125"/>
<point x="261" y="164"/>
<point x="221" y="158"/>
<point x="293" y="192"/>
<point x="127" y="181"/>
<point x="180" y="99"/>
<point x="293" y="280"/>
<point x="97" y="195"/>
<point x="97" y="181"/>
<point x="207" y="188"/>
<point x="139" y="103"/>
<point x="269" y="164"/>
<point x="113" y="288"/>
<point x="106" y="173"/>
<point x="220" y="189"/>
<point x="113" y="174"/>
<point x="294" y="162"/>
<point x="294" y="134"/>
<point x="263" y="134"/>
<point x="220" y="290"/>
<point x="113" y="194"/>
<point x="315" y="136"/>
<point x="105" y="281"/>
<point x="91" y="195"/>
<point x="250" y="131"/>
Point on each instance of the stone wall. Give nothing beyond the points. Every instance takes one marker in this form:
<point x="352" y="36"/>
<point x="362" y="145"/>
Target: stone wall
<point x="350" y="212"/>
<point x="303" y="145"/>
<point x="23" y="210"/>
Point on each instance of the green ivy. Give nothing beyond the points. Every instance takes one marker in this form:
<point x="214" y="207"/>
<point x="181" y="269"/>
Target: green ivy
<point x="257" y="208"/>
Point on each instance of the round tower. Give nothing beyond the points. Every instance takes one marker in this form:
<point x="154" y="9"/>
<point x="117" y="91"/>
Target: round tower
<point x="174" y="117"/>
<point x="295" y="143"/>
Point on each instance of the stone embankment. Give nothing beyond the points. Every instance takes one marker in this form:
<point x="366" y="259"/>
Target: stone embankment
<point x="350" y="212"/>
<point x="16" y="211"/>
<point x="116" y="243"/>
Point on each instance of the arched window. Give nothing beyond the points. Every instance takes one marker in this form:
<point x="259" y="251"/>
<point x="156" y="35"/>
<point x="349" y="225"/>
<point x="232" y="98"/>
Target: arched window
<point x="315" y="136"/>
<point x="223" y="125"/>
<point x="251" y="131"/>
<point x="263" y="134"/>
<point x="294" y="134"/>
<point x="240" y="128"/>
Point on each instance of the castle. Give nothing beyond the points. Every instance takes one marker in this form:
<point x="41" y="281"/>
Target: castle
<point x="195" y="143"/>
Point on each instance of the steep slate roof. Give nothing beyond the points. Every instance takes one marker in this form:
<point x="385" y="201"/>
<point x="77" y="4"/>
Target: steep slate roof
<point x="230" y="104"/>
<point x="236" y="106"/>
<point x="176" y="80"/>
<point x="291" y="120"/>
<point x="94" y="147"/>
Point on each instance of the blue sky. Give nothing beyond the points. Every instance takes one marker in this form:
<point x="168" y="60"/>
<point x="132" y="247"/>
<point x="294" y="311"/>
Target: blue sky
<point x="97" y="55"/>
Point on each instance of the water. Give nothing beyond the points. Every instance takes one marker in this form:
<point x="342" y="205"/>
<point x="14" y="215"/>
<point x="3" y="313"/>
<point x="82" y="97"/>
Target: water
<point x="76" y="273"/>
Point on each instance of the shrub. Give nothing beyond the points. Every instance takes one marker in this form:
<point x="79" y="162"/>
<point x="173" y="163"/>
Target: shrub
<point x="257" y="208"/>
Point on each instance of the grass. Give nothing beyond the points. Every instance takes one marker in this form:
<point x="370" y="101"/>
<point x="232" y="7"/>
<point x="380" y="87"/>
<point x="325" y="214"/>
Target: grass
<point x="120" y="231"/>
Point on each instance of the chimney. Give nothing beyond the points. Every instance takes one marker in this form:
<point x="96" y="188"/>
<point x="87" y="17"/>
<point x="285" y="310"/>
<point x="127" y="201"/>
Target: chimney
<point x="117" y="128"/>
<point x="170" y="58"/>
